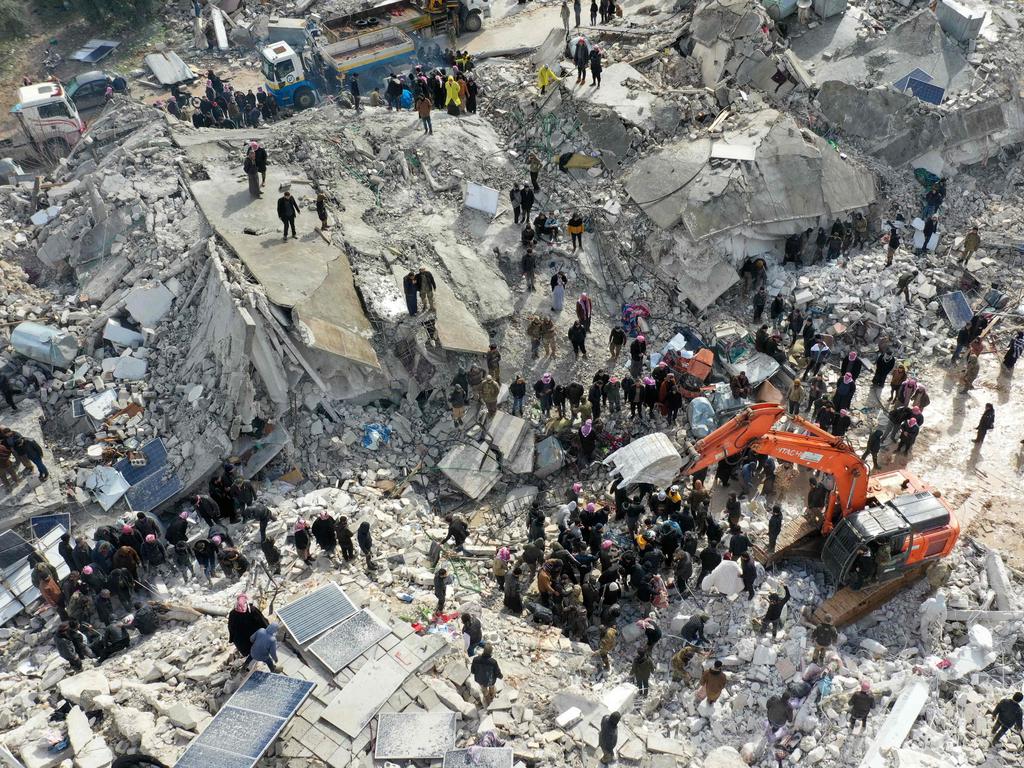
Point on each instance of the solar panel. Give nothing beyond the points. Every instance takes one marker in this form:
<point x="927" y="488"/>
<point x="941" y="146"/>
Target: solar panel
<point x="317" y="612"/>
<point x="12" y="549"/>
<point x="481" y="757"/>
<point x="152" y="491"/>
<point x="248" y="723"/>
<point x="349" y="640"/>
<point x="918" y="74"/>
<point x="156" y="456"/>
<point x="42" y="524"/>
<point x="926" y="91"/>
<point x="271" y="694"/>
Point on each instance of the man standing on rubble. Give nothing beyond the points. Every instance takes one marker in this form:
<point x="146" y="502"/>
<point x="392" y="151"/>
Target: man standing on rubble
<point x="565" y="16"/>
<point x="353" y="88"/>
<point x="489" y="391"/>
<point x="972" y="241"/>
<point x="824" y="636"/>
<point x="426" y="285"/>
<point x="287" y="210"/>
<point x="486" y="673"/>
<point x="608" y="737"/>
<point x="1007" y="714"/>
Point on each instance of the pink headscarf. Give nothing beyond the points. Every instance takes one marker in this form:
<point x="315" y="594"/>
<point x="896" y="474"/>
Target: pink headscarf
<point x="648" y="380"/>
<point x="915" y="410"/>
<point x="151" y="538"/>
<point x="853" y="355"/>
<point x="865" y="685"/>
<point x="126" y="528"/>
<point x="847" y="377"/>
<point x="183" y="515"/>
<point x="217" y="539"/>
<point x="324" y="515"/>
<point x="300" y="524"/>
<point x="242" y="602"/>
<point x="546" y="378"/>
<point x="577" y="487"/>
<point x="504" y="555"/>
<point x="606" y="544"/>
<point x="912" y="422"/>
<point x="844" y="412"/>
<point x="87" y="570"/>
<point x="587" y="428"/>
<point x="591" y="507"/>
<point x="641" y="338"/>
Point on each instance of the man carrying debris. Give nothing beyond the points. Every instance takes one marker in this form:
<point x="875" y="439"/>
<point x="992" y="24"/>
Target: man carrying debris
<point x="486" y="673"/>
<point x="287" y="210"/>
<point x="773" y="616"/>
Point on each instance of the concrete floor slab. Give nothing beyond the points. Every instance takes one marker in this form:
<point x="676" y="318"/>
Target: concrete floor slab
<point x="898" y="723"/>
<point x="457" y="328"/>
<point x="306" y="274"/>
<point x="477" y="280"/>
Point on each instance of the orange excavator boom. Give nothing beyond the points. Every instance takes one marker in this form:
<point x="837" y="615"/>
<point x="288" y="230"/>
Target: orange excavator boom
<point x="753" y="429"/>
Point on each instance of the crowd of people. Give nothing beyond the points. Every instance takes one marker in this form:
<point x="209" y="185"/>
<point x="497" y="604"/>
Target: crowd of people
<point x="220" y="106"/>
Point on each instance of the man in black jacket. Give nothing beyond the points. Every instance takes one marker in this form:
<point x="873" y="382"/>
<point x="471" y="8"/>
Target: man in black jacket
<point x="486" y="673"/>
<point x="773" y="616"/>
<point x="287" y="210"/>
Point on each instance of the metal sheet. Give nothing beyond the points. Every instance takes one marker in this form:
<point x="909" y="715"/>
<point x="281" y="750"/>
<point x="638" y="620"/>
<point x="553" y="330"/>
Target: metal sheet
<point x="18" y="591"/>
<point x="168" y="68"/>
<point x="958" y="310"/>
<point x="478" y="757"/>
<point x="316" y="612"/>
<point x="94" y="50"/>
<point x="349" y="640"/>
<point x="414" y="736"/>
<point x="248" y="723"/>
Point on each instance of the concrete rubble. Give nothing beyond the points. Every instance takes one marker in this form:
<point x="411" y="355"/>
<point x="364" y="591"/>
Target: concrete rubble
<point x="721" y="129"/>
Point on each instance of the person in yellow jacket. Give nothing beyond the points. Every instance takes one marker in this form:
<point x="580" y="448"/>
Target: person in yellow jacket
<point x="451" y="99"/>
<point x="546" y="77"/>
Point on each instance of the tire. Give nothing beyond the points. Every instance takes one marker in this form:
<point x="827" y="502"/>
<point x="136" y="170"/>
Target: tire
<point x="304" y="98"/>
<point x="473" y="22"/>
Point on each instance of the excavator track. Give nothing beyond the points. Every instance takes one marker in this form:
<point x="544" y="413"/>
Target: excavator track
<point x="800" y="537"/>
<point x="848" y="605"/>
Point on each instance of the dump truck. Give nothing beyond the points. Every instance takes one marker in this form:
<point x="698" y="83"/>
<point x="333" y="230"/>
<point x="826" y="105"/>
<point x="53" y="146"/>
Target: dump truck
<point x="877" y="533"/>
<point x="299" y="79"/>
<point x="49" y="124"/>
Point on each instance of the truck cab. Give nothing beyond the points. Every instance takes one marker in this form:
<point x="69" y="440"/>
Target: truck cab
<point x="290" y="75"/>
<point x="48" y="117"/>
<point x="880" y="543"/>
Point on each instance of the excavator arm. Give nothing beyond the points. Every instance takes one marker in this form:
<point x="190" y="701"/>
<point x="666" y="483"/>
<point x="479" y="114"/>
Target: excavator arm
<point x="818" y="450"/>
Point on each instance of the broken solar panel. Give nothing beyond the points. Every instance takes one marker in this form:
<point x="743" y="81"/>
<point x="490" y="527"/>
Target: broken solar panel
<point x="315" y="613"/>
<point x="248" y="723"/>
<point x="414" y="735"/>
<point x="478" y="757"/>
<point x="349" y="640"/>
<point x="13" y="548"/>
<point x="928" y="92"/>
<point x="918" y="74"/>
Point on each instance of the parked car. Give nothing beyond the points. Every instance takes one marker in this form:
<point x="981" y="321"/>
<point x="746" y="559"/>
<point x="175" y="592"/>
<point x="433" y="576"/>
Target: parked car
<point x="89" y="89"/>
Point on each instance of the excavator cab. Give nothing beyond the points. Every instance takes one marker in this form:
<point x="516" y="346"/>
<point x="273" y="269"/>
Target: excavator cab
<point x="881" y="543"/>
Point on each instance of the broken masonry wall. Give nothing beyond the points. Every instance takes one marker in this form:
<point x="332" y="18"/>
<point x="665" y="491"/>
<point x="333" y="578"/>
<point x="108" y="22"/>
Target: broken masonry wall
<point x="231" y="358"/>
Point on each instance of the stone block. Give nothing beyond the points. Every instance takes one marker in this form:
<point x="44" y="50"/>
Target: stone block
<point x="620" y="698"/>
<point x="569" y="718"/>
<point x="72" y="688"/>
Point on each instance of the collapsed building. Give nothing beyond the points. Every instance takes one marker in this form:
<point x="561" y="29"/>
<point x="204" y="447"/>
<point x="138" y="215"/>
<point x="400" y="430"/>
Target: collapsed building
<point x="199" y="335"/>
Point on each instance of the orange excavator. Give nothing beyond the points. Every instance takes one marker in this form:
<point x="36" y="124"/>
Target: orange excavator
<point x="877" y="534"/>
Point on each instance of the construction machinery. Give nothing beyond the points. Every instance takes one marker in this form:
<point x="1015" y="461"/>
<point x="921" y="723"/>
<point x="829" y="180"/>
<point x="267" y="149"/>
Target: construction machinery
<point x="876" y="534"/>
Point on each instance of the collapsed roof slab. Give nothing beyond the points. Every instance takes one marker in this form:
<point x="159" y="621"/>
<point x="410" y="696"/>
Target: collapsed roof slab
<point x="625" y="90"/>
<point x="308" y="275"/>
<point x="457" y="327"/>
<point x="916" y="43"/>
<point x="795" y="178"/>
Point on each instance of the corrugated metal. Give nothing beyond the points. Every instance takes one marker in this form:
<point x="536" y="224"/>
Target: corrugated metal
<point x="317" y="612"/>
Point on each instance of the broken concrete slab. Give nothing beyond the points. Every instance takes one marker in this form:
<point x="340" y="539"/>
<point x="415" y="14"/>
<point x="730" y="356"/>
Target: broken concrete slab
<point x="309" y="276"/>
<point x="148" y="304"/>
<point x="619" y="92"/>
<point x="116" y="333"/>
<point x="550" y="457"/>
<point x="93" y="680"/>
<point x="79" y="732"/>
<point x="507" y="434"/>
<point x="998" y="580"/>
<point x="471" y="468"/>
<point x="983" y="617"/>
<point x="898" y="723"/>
<point x="649" y="459"/>
<point x="476" y="280"/>
<point x="414" y="736"/>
